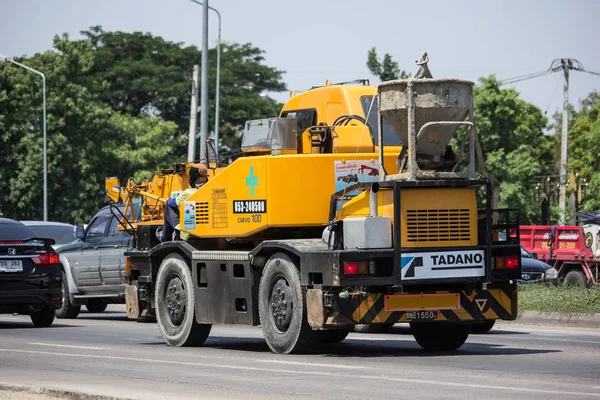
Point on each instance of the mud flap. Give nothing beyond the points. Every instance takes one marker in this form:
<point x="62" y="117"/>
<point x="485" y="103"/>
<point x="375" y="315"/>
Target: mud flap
<point x="315" y="310"/>
<point x="132" y="302"/>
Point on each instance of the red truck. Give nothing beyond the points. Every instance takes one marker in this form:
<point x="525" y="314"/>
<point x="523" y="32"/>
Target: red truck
<point x="574" y="251"/>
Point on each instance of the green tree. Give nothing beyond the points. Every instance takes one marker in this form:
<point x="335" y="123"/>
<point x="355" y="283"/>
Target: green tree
<point x="386" y="70"/>
<point x="118" y="104"/>
<point x="584" y="148"/>
<point x="511" y="132"/>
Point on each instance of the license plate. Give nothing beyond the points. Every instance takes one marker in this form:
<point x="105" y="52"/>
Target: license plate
<point x="11" y="265"/>
<point x="421" y="315"/>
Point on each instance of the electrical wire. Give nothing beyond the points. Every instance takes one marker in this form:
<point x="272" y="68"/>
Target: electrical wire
<point x="525" y="77"/>
<point x="553" y="93"/>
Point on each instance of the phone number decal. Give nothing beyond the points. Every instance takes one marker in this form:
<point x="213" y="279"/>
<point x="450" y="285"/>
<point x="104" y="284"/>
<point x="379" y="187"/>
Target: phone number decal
<point x="249" y="206"/>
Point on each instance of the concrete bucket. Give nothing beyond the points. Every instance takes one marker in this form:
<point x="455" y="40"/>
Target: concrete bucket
<point x="436" y="107"/>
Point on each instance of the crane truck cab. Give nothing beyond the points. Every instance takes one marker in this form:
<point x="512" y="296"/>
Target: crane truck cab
<point x="287" y="241"/>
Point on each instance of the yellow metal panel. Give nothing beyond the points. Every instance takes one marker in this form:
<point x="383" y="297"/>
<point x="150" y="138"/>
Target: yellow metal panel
<point x="295" y="190"/>
<point x="438" y="217"/>
<point x="418" y="302"/>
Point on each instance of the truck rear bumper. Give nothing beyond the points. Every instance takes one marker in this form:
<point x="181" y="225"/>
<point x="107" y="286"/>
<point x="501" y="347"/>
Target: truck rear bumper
<point x="469" y="306"/>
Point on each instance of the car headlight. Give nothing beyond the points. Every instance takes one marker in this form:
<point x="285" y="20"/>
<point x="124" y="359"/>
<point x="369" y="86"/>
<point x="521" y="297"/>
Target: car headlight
<point x="551" y="273"/>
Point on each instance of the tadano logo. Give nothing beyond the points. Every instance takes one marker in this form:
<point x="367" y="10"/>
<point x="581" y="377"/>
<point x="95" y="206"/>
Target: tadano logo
<point x="443" y="265"/>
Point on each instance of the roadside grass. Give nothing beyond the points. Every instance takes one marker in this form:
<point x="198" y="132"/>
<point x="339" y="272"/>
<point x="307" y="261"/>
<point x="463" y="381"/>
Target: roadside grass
<point x="550" y="298"/>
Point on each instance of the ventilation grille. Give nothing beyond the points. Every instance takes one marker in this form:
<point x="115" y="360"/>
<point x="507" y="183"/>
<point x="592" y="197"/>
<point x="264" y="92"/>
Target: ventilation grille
<point x="219" y="207"/>
<point x="202" y="213"/>
<point x="438" y="225"/>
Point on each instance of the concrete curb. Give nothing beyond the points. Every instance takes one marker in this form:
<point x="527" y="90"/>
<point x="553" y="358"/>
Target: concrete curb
<point x="557" y="319"/>
<point x="42" y="393"/>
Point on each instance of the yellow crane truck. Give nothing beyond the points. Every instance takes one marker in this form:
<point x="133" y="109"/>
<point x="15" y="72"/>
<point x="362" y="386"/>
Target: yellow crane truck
<point x="354" y="206"/>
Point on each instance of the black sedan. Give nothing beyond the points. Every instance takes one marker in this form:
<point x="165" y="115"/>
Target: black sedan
<point x="534" y="270"/>
<point x="30" y="277"/>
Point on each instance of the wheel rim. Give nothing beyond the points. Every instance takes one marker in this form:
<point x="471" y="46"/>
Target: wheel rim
<point x="281" y="305"/>
<point x="175" y="300"/>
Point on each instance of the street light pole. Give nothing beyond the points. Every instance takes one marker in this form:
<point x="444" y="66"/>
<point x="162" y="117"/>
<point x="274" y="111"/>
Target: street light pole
<point x="218" y="88"/>
<point x="3" y="58"/>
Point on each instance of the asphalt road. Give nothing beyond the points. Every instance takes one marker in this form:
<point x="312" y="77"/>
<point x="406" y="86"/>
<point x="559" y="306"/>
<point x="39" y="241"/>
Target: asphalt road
<point x="105" y="354"/>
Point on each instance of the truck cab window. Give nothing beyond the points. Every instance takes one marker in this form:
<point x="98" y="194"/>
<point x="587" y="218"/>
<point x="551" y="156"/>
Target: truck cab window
<point x="304" y="118"/>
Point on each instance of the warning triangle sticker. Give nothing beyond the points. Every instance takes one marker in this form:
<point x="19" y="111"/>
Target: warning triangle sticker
<point x="481" y="304"/>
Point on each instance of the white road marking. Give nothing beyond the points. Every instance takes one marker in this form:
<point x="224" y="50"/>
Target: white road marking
<point x="555" y="340"/>
<point x="308" y="364"/>
<point x="297" y="372"/>
<point x="69" y="346"/>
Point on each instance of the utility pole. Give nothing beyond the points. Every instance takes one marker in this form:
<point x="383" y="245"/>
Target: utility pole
<point x="204" y="87"/>
<point x="193" y="114"/>
<point x="566" y="64"/>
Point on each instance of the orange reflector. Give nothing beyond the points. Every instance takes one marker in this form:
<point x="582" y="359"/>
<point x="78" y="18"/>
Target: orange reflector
<point x="500" y="262"/>
<point x="127" y="265"/>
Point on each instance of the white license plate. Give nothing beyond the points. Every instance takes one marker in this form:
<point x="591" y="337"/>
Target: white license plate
<point x="11" y="265"/>
<point x="422" y="315"/>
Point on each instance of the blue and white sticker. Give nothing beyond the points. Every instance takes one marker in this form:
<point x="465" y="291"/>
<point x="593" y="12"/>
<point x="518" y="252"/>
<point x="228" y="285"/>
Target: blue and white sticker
<point x="439" y="265"/>
<point x="189" y="215"/>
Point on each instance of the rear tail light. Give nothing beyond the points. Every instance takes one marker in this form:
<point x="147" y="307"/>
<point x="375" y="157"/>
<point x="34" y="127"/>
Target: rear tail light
<point x="356" y="267"/>
<point x="507" y="262"/>
<point x="50" y="257"/>
<point x="11" y="242"/>
<point x="512" y="262"/>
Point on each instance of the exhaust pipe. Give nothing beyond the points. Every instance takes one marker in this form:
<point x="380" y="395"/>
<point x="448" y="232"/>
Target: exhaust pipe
<point x="373" y="200"/>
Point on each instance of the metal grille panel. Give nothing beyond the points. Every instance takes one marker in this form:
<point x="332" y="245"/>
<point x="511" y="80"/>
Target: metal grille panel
<point x="202" y="213"/>
<point x="448" y="225"/>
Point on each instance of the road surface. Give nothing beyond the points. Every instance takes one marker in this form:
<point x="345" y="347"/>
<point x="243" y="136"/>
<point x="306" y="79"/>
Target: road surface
<point x="106" y="354"/>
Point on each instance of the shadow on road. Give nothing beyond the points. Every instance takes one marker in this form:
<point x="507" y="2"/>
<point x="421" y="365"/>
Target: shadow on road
<point x="29" y="325"/>
<point x="352" y="347"/>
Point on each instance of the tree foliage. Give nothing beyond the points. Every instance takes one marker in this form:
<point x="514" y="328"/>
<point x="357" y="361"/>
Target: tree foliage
<point x="385" y="70"/>
<point x="117" y="105"/>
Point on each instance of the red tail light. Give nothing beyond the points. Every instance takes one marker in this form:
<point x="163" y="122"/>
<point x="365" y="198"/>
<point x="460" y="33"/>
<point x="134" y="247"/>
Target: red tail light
<point x="356" y="268"/>
<point x="11" y="242"/>
<point x="512" y="262"/>
<point x="51" y="257"/>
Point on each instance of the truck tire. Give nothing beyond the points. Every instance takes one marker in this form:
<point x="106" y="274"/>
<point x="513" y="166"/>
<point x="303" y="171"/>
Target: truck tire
<point x="43" y="318"/>
<point x="67" y="310"/>
<point x="483" y="327"/>
<point x="282" y="308"/>
<point x="372" y="328"/>
<point x="96" y="306"/>
<point x="334" y="335"/>
<point x="575" y="277"/>
<point x="436" y="336"/>
<point x="175" y="304"/>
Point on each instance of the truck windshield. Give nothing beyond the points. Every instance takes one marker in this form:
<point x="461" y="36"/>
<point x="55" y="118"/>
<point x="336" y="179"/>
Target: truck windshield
<point x="389" y="136"/>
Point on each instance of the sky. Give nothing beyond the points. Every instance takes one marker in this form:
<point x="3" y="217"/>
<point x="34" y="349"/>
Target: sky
<point x="315" y="40"/>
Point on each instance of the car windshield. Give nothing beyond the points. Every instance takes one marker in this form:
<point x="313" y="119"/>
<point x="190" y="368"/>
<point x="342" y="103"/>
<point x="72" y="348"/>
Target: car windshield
<point x="389" y="136"/>
<point x="60" y="233"/>
<point x="12" y="231"/>
<point x="525" y="253"/>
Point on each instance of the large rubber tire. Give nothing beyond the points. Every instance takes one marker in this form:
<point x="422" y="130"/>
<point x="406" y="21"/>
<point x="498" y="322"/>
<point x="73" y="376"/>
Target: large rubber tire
<point x="575" y="278"/>
<point x="334" y="335"/>
<point x="43" y="318"/>
<point x="96" y="306"/>
<point x="175" y="304"/>
<point x="436" y="336"/>
<point x="483" y="327"/>
<point x="67" y="310"/>
<point x="372" y="328"/>
<point x="282" y="308"/>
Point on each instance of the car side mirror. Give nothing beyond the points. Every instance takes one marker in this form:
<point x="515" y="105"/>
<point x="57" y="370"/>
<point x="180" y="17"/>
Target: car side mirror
<point x="534" y="256"/>
<point x="79" y="232"/>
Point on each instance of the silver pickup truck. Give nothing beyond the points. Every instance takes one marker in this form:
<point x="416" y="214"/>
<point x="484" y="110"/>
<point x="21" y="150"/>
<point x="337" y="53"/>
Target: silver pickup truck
<point x="94" y="266"/>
